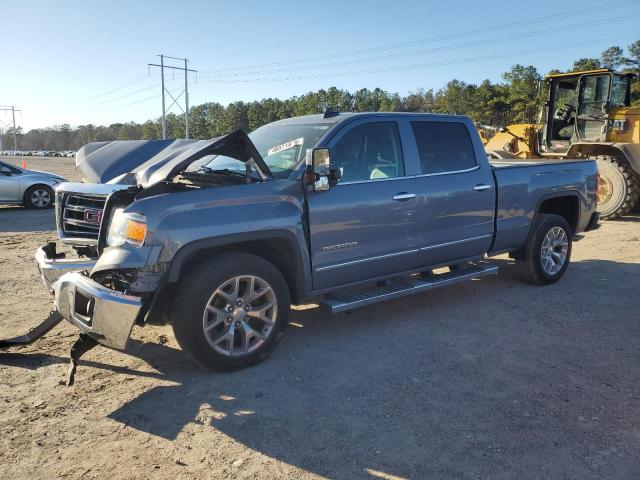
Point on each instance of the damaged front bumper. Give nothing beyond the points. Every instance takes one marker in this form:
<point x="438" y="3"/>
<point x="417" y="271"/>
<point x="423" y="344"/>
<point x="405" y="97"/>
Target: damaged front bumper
<point x="51" y="269"/>
<point x="105" y="315"/>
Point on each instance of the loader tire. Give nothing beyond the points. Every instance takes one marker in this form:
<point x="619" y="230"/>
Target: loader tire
<point x="619" y="188"/>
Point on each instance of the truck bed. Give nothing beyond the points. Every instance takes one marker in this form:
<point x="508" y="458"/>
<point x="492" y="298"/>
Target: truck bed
<point x="523" y="185"/>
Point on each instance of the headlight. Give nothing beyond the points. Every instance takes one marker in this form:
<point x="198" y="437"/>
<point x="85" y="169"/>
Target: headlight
<point x="126" y="227"/>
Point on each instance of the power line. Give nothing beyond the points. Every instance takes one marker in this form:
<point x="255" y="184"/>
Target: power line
<point x="438" y="49"/>
<point x="110" y="100"/>
<point x="113" y="90"/>
<point x="510" y="25"/>
<point x="415" y="66"/>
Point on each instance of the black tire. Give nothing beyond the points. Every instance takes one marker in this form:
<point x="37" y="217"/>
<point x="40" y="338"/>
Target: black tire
<point x="39" y="197"/>
<point x="197" y="288"/>
<point x="530" y="260"/>
<point x="619" y="188"/>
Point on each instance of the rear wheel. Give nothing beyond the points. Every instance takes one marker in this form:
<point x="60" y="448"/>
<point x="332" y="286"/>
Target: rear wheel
<point x="231" y="311"/>
<point x="545" y="258"/>
<point x="619" y="188"/>
<point x="39" y="197"/>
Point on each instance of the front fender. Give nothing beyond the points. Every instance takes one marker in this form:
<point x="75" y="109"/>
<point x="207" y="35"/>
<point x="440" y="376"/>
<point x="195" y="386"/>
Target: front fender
<point x="296" y="244"/>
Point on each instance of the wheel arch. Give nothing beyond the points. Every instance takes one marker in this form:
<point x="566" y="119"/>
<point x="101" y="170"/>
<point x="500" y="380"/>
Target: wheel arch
<point x="281" y="248"/>
<point x="37" y="184"/>
<point x="565" y="204"/>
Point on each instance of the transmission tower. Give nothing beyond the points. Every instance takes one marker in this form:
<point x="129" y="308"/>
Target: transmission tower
<point x="186" y="71"/>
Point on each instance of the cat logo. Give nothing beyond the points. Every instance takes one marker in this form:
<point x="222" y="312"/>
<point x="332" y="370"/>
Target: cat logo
<point x="621" y="125"/>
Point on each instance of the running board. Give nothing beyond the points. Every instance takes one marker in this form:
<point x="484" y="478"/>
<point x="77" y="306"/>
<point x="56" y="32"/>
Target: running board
<point x="337" y="303"/>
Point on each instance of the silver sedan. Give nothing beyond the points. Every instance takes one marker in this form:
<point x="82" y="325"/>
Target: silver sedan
<point x="27" y="187"/>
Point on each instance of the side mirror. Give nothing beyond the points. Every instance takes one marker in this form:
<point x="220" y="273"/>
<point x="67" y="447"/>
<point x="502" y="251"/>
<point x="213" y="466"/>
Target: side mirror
<point x="6" y="171"/>
<point x="320" y="172"/>
<point x="605" y="107"/>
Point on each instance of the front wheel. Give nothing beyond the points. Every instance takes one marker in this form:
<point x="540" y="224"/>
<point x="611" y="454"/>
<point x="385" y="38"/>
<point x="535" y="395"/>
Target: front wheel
<point x="545" y="258"/>
<point x="231" y="311"/>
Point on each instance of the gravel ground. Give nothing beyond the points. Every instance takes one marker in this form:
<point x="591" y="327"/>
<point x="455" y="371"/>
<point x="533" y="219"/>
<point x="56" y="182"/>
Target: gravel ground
<point x="488" y="379"/>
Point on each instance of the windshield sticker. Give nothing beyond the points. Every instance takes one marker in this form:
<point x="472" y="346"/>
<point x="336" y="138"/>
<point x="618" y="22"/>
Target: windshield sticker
<point x="285" y="146"/>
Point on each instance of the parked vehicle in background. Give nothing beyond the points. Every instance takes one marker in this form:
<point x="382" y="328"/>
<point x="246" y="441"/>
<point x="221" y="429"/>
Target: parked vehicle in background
<point x="38" y="153"/>
<point x="220" y="237"/>
<point x="30" y="188"/>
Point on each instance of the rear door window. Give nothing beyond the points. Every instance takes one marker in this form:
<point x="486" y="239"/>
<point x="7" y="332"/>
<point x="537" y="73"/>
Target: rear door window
<point x="444" y="147"/>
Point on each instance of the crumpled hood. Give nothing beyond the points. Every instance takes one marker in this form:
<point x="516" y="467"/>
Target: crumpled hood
<point x="145" y="162"/>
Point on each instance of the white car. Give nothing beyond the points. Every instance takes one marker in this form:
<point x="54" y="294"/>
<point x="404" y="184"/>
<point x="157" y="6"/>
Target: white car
<point x="27" y="187"/>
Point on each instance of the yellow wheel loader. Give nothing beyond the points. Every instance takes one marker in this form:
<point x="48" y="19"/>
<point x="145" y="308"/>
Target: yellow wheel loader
<point x="587" y="114"/>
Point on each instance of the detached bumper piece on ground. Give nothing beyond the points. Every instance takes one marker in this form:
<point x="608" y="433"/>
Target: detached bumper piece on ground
<point x="103" y="316"/>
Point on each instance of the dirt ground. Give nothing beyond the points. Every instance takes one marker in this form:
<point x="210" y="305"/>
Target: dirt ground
<point x="489" y="379"/>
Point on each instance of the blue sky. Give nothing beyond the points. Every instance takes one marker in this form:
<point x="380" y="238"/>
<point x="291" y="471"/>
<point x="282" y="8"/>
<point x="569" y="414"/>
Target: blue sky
<point x="61" y="61"/>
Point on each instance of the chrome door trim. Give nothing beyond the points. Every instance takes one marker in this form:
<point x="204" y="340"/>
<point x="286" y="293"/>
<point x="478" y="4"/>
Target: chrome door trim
<point x="481" y="188"/>
<point x="356" y="182"/>
<point x="452" y="172"/>
<point x="455" y="242"/>
<point x="363" y="260"/>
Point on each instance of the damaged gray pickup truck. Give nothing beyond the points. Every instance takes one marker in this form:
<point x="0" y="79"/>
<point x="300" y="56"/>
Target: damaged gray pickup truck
<point x="219" y="237"/>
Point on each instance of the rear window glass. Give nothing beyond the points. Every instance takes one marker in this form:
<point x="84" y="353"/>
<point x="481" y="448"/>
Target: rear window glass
<point x="443" y="146"/>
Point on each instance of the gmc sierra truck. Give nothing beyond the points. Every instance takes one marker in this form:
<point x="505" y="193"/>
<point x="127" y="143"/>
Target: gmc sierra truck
<point x="219" y="237"/>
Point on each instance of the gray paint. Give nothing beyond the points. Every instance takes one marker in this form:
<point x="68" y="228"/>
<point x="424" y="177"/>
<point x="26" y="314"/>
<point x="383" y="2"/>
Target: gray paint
<point x="14" y="186"/>
<point x="378" y="237"/>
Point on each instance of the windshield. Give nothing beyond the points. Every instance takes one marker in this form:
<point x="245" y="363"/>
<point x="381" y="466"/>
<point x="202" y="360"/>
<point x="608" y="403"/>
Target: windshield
<point x="281" y="146"/>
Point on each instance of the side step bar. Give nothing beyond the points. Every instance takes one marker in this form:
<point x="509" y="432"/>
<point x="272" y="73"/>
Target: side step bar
<point x="337" y="303"/>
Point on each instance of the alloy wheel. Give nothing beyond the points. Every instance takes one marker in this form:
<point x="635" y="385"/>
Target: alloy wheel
<point x="240" y="315"/>
<point x="40" y="198"/>
<point x="555" y="247"/>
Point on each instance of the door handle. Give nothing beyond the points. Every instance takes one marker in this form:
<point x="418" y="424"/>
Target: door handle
<point x="403" y="196"/>
<point x="481" y="187"/>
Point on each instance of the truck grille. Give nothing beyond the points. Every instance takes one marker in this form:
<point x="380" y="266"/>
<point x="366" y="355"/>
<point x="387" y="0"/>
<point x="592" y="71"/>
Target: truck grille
<point x="80" y="216"/>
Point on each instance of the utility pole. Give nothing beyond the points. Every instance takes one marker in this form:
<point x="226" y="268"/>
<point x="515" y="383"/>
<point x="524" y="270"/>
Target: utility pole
<point x="186" y="101"/>
<point x="175" y="99"/>
<point x="164" y="120"/>
<point x="13" y="115"/>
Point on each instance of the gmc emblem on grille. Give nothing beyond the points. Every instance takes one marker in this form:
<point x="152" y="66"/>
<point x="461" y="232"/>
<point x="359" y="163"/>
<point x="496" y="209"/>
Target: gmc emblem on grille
<point x="92" y="215"/>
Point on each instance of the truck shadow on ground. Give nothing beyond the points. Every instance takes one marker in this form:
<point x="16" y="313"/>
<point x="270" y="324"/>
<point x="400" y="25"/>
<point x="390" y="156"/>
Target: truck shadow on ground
<point x="404" y="388"/>
<point x="441" y="385"/>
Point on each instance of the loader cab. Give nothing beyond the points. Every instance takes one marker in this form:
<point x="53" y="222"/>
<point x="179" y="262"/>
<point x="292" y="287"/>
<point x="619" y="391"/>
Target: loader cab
<point x="578" y="105"/>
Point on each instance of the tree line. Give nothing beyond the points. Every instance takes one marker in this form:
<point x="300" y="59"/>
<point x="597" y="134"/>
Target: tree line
<point x="515" y="99"/>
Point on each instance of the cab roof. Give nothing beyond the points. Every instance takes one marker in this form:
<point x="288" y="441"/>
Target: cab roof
<point x="580" y="72"/>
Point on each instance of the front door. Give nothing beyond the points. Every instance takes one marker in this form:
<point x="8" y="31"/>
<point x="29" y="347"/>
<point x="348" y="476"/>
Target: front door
<point x="9" y="184"/>
<point x="593" y="99"/>
<point x="364" y="227"/>
<point x="457" y="194"/>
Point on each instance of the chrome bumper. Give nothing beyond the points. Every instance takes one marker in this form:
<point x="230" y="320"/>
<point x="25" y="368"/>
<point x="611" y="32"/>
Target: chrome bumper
<point x="106" y="315"/>
<point x="52" y="269"/>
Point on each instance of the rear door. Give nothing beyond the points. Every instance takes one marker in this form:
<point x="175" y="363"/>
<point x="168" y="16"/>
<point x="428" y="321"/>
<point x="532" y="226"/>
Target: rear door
<point x="364" y="227"/>
<point x="456" y="190"/>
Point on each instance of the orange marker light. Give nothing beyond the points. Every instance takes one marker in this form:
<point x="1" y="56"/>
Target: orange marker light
<point x="136" y="231"/>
